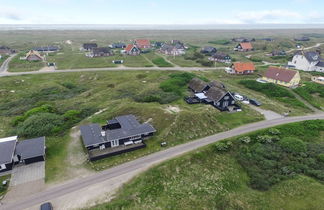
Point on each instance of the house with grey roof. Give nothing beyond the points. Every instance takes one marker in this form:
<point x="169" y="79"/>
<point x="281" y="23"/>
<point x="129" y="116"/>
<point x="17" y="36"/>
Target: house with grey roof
<point x="119" y="135"/>
<point x="14" y="152"/>
<point x="213" y="93"/>
<point x="307" y="61"/>
<point x="208" y="50"/>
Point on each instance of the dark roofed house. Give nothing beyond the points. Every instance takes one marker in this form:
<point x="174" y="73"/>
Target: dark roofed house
<point x="89" y="46"/>
<point x="221" y="57"/>
<point x="278" y="53"/>
<point x="174" y="50"/>
<point x="213" y="93"/>
<point x="4" y="50"/>
<point x="31" y="151"/>
<point x="118" y="45"/>
<point x="302" y="39"/>
<point x="13" y="151"/>
<point x="197" y="85"/>
<point x="122" y="134"/>
<point x="208" y="50"/>
<point x="100" y="52"/>
<point x="46" y="49"/>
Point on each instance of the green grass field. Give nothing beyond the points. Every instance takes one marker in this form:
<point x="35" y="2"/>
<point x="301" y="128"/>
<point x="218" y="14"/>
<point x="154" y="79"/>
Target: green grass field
<point x="209" y="179"/>
<point x="114" y="92"/>
<point x="313" y="93"/>
<point x="17" y="65"/>
<point x="3" y="58"/>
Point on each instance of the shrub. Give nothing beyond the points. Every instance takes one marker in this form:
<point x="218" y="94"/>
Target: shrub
<point x="205" y="63"/>
<point x="245" y="139"/>
<point x="320" y="157"/>
<point x="274" y="131"/>
<point x="41" y="124"/>
<point x="264" y="139"/>
<point x="223" y="146"/>
<point x="176" y="82"/>
<point x="293" y="145"/>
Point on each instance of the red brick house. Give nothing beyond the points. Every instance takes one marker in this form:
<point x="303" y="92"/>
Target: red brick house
<point x="243" y="68"/>
<point x="143" y="43"/>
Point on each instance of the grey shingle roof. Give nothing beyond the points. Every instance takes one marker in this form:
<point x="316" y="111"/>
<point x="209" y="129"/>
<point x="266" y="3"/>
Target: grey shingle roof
<point x="129" y="127"/>
<point x="216" y="94"/>
<point x="31" y="148"/>
<point x="91" y="134"/>
<point x="312" y="56"/>
<point x="197" y="85"/>
<point x="7" y="150"/>
<point x="320" y="64"/>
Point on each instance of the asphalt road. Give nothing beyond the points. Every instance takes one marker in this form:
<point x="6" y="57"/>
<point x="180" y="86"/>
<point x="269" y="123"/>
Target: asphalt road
<point x="144" y="162"/>
<point x="5" y="64"/>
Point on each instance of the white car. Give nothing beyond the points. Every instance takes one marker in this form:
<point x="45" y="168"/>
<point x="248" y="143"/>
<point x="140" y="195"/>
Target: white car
<point x="238" y="97"/>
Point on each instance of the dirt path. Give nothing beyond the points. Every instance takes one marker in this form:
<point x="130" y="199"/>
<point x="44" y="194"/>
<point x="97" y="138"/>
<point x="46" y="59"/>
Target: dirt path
<point x="167" y="60"/>
<point x="307" y="48"/>
<point x="314" y="109"/>
<point x="148" y="60"/>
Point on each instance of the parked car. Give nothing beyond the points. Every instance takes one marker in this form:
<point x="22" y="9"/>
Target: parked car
<point x="118" y="61"/>
<point x="255" y="102"/>
<point x="164" y="144"/>
<point x="238" y="97"/>
<point x="46" y="206"/>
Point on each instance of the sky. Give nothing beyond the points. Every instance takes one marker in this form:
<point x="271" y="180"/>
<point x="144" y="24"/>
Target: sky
<point x="160" y="12"/>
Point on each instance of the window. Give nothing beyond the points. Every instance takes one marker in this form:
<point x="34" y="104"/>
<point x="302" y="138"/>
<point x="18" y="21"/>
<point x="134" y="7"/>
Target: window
<point x="114" y="143"/>
<point x="226" y="97"/>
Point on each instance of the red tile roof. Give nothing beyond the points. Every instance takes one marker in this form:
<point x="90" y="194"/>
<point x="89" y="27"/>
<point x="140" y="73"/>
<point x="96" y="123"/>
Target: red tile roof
<point x="129" y="47"/>
<point x="246" y="45"/>
<point x="241" y="67"/>
<point x="142" y="42"/>
<point x="281" y="74"/>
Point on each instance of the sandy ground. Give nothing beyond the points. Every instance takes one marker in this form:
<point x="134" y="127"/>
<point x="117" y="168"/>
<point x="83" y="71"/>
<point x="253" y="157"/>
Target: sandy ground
<point x="268" y="115"/>
<point x="99" y="193"/>
<point x="47" y="68"/>
<point x="172" y="109"/>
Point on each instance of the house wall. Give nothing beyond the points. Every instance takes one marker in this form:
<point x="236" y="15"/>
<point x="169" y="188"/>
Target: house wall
<point x="294" y="82"/>
<point x="8" y="167"/>
<point x="319" y="69"/>
<point x="34" y="160"/>
<point x="33" y="58"/>
<point x="224" y="103"/>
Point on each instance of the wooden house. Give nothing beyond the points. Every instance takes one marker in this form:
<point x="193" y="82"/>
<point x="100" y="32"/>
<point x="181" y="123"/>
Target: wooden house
<point x="100" y="52"/>
<point x="220" y="57"/>
<point x="143" y="43"/>
<point x="89" y="46"/>
<point x="33" y="55"/>
<point x="208" y="50"/>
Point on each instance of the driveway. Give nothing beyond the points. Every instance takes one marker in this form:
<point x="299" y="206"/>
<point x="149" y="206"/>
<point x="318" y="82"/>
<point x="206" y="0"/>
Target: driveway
<point x="25" y="181"/>
<point x="268" y="115"/>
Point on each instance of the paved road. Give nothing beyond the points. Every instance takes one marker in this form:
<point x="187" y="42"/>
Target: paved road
<point x="4" y="74"/>
<point x="5" y="64"/>
<point x="144" y="162"/>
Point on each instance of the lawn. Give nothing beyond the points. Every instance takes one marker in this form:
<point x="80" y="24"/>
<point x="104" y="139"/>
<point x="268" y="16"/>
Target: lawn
<point x="157" y="60"/>
<point x="212" y="179"/>
<point x="3" y="189"/>
<point x="22" y="104"/>
<point x="17" y="65"/>
<point x="313" y="93"/>
<point x="3" y="58"/>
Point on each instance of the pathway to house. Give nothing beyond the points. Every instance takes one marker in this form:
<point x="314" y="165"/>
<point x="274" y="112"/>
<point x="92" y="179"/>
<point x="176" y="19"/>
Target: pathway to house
<point x="314" y="109"/>
<point x="148" y="60"/>
<point x="307" y="48"/>
<point x="268" y="115"/>
<point x="5" y="65"/>
<point x="167" y="60"/>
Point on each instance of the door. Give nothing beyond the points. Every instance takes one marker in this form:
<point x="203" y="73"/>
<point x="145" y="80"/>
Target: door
<point x="115" y="143"/>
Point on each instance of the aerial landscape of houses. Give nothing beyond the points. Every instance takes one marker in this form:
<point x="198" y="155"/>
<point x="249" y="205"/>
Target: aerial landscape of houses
<point x="184" y="105"/>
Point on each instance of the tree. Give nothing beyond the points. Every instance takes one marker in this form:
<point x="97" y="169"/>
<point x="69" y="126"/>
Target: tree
<point x="293" y="145"/>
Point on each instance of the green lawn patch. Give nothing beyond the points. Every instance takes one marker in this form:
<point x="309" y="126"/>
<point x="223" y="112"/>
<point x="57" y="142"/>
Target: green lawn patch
<point x="17" y="65"/>
<point x="3" y="188"/>
<point x="274" y="91"/>
<point x="160" y="62"/>
<point x="313" y="93"/>
<point x="4" y="57"/>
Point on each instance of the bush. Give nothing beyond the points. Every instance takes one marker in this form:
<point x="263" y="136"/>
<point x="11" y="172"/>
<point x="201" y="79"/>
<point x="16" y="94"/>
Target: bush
<point x="41" y="124"/>
<point x="176" y="82"/>
<point x="293" y="145"/>
<point x="245" y="139"/>
<point x="205" y="63"/>
<point x="156" y="96"/>
<point x="274" y="131"/>
<point x="320" y="157"/>
<point x="223" y="146"/>
<point x="264" y="139"/>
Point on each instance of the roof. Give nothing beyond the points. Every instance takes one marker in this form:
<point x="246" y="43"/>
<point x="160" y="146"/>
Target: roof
<point x="143" y="42"/>
<point x="320" y="64"/>
<point x="246" y="45"/>
<point x="200" y="95"/>
<point x="241" y="67"/>
<point x="31" y="148"/>
<point x="215" y="83"/>
<point x="281" y="74"/>
<point x="312" y="56"/>
<point x="208" y="49"/>
<point x="101" y="50"/>
<point x="220" y="55"/>
<point x="7" y="149"/>
<point x="130" y="47"/>
<point x="89" y="45"/>
<point x="46" y="48"/>
<point x="129" y="127"/>
<point x="91" y="134"/>
<point x="197" y="85"/>
<point x="118" y="45"/>
<point x="215" y="93"/>
<point x="33" y="52"/>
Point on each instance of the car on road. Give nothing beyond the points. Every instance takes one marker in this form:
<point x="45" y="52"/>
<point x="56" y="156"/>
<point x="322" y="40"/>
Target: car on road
<point x="46" y="206"/>
<point x="255" y="102"/>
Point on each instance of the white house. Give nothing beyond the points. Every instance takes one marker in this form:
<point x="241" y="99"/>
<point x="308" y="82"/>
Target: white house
<point x="307" y="61"/>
